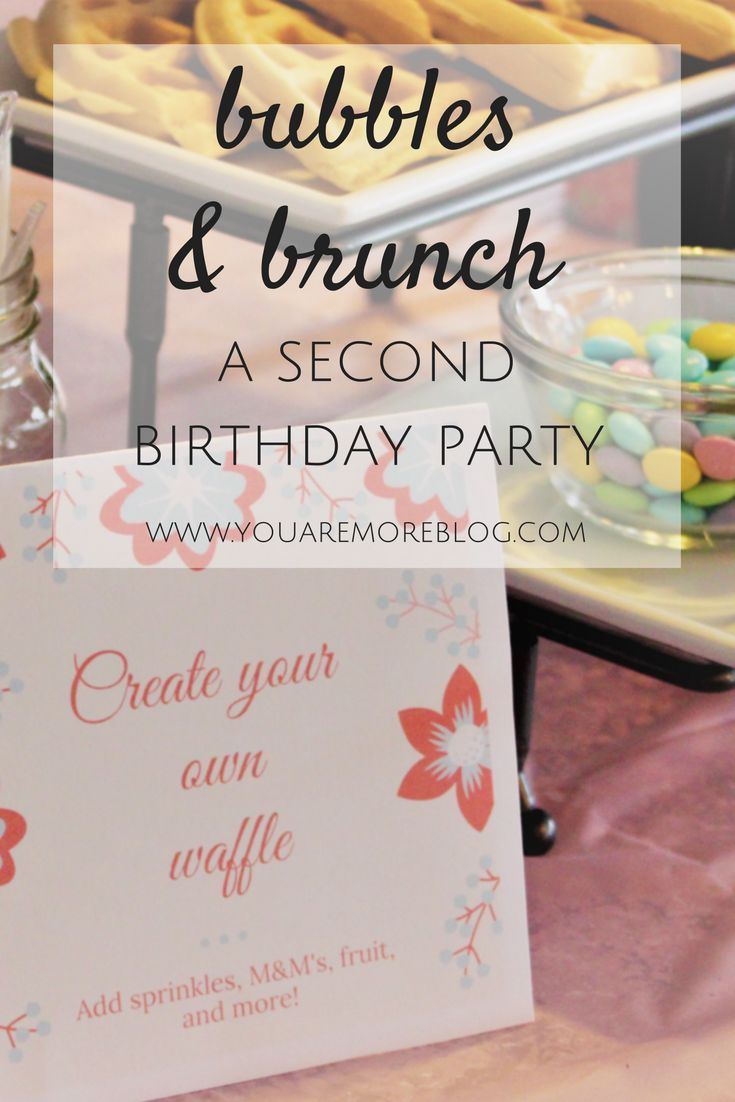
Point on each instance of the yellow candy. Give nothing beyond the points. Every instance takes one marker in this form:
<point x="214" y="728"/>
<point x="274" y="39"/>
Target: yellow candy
<point x="615" y="327"/>
<point x="671" y="470"/>
<point x="716" y="340"/>
<point x="573" y="458"/>
<point x="639" y="346"/>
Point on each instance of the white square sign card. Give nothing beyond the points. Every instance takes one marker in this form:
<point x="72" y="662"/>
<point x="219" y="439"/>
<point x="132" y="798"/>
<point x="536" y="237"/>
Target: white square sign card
<point x="249" y="821"/>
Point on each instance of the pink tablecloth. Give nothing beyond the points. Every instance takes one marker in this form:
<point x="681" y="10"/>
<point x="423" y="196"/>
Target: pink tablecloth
<point x="632" y="916"/>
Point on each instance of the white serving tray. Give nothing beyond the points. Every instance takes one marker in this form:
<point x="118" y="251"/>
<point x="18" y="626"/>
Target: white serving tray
<point x="690" y="609"/>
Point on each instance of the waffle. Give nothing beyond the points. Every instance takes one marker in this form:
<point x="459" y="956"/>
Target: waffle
<point x="153" y="91"/>
<point x="280" y="70"/>
<point x="146" y="90"/>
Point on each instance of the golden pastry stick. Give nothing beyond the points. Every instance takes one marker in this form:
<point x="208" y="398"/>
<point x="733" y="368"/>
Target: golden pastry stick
<point x="704" y="29"/>
<point x="388" y="21"/>
<point x="488" y="21"/>
<point x="595" y="63"/>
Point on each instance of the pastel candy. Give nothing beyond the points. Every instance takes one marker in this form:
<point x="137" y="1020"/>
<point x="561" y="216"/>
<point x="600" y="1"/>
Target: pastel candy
<point x="661" y="343"/>
<point x="574" y="460"/>
<point x="588" y="417"/>
<point x="656" y="491"/>
<point x="721" y="425"/>
<point x="561" y="400"/>
<point x="686" y="327"/>
<point x="613" y="327"/>
<point x="638" y="369"/>
<point x="607" y="349"/>
<point x="716" y="457"/>
<point x="710" y="493"/>
<point x="693" y="366"/>
<point x="679" y="467"/>
<point x="672" y="432"/>
<point x="724" y="517"/>
<point x="629" y="432"/>
<point x="685" y="363"/>
<point x="720" y="377"/>
<point x="624" y="499"/>
<point x="619" y="466"/>
<point x="675" y="512"/>
<point x="716" y="340"/>
<point x="712" y="378"/>
<point x="671" y="469"/>
<point x="661" y="325"/>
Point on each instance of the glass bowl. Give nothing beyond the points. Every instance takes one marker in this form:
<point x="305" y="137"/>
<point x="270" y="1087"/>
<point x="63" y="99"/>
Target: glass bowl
<point x="545" y="328"/>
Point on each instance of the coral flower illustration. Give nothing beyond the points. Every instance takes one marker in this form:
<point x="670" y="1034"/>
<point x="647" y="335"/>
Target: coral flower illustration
<point x="182" y="496"/>
<point x="420" y="486"/>
<point x="455" y="749"/>
<point x="12" y="831"/>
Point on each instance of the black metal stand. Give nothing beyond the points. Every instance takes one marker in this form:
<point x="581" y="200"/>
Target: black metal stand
<point x="531" y="620"/>
<point x="146" y="314"/>
<point x="539" y="829"/>
<point x="708" y="172"/>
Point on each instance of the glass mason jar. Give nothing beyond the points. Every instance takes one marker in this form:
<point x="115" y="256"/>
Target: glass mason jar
<point x="31" y="405"/>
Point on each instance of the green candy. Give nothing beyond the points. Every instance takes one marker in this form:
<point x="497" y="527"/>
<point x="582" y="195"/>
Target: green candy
<point x="588" y="417"/>
<point x="630" y="433"/>
<point x="622" y="499"/>
<point x="709" y="493"/>
<point x="673" y="511"/>
<point x="663" y="325"/>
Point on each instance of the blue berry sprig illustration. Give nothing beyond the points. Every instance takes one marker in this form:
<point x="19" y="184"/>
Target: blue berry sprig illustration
<point x="21" y="1029"/>
<point x="451" y="615"/>
<point x="476" y="917"/>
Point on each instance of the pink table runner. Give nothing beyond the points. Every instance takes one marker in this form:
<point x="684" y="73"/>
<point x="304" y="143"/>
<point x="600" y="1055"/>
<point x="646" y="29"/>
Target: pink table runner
<point x="632" y="916"/>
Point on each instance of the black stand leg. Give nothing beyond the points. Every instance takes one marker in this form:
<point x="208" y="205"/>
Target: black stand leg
<point x="707" y="183"/>
<point x="706" y="165"/>
<point x="539" y="829"/>
<point x="147" y="286"/>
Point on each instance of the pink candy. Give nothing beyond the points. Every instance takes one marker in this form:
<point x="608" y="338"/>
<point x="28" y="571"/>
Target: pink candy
<point x="620" y="466"/>
<point x="716" y="457"/>
<point x="639" y="369"/>
<point x="671" y="432"/>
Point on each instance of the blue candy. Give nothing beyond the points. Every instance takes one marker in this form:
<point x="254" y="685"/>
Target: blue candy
<point x="607" y="349"/>
<point x="672" y="510"/>
<point x="722" y="425"/>
<point x="685" y="363"/>
<point x="655" y="491"/>
<point x="561" y="400"/>
<point x="630" y="433"/>
<point x="721" y="378"/>
<point x="661" y="343"/>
